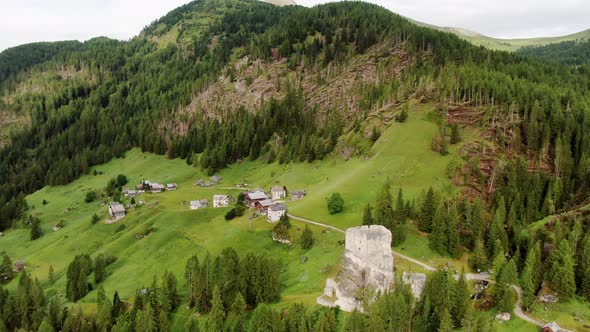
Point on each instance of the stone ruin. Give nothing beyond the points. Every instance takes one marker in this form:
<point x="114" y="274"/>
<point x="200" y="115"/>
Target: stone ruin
<point x="417" y="282"/>
<point x="367" y="265"/>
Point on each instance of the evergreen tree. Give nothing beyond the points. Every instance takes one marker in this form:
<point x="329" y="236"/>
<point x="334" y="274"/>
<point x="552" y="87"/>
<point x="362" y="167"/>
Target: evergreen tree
<point x="356" y="322"/>
<point x="400" y="207"/>
<point x="454" y="242"/>
<point x="217" y="314"/>
<point x="36" y="231"/>
<point x="478" y="259"/>
<point x="562" y="273"/>
<point x="144" y="320"/>
<point x="455" y="134"/>
<point x="462" y="298"/>
<point x="192" y="325"/>
<point x="307" y="238"/>
<point x="6" y="272"/>
<point x="446" y="322"/>
<point x="438" y="239"/>
<point x="583" y="268"/>
<point x="427" y="211"/>
<point x="368" y="215"/>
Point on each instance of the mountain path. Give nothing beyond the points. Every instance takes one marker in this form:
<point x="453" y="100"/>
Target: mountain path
<point x="518" y="311"/>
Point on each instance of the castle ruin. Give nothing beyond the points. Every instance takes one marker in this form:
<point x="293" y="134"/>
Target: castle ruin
<point x="367" y="268"/>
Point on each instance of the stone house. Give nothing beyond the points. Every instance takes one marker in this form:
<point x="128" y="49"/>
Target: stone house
<point x="278" y="192"/>
<point x="251" y="198"/>
<point x="171" y="186"/>
<point x="275" y="212"/>
<point x="215" y="179"/>
<point x="262" y="206"/>
<point x="202" y="203"/>
<point x="297" y="195"/>
<point x="220" y="201"/>
<point x="116" y="210"/>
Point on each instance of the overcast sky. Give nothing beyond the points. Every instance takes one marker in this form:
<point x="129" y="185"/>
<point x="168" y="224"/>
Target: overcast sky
<point x="25" y="21"/>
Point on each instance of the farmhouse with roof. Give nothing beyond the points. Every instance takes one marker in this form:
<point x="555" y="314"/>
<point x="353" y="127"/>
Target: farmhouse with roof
<point x="129" y="193"/>
<point x="297" y="195"/>
<point x="215" y="179"/>
<point x="220" y="201"/>
<point x="116" y="210"/>
<point x="202" y="203"/>
<point x="18" y="266"/>
<point x="156" y="188"/>
<point x="253" y="197"/>
<point x="275" y="212"/>
<point x="171" y="186"/>
<point x="278" y="192"/>
<point x="263" y="205"/>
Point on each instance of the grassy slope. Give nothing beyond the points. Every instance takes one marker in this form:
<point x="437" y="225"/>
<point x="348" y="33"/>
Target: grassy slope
<point x="402" y="154"/>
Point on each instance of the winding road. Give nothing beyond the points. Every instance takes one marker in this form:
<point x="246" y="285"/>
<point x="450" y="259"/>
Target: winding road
<point x="518" y="311"/>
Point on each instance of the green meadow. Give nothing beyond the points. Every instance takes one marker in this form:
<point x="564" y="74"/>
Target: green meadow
<point x="175" y="232"/>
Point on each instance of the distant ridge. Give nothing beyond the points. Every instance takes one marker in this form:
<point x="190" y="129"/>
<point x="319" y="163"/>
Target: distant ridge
<point x="510" y="45"/>
<point x="281" y="2"/>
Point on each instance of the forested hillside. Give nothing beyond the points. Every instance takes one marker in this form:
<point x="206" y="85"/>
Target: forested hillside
<point x="567" y="52"/>
<point x="219" y="82"/>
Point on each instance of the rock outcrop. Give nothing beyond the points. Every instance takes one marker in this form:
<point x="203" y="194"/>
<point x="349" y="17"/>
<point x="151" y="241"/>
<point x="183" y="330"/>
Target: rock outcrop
<point x="367" y="266"/>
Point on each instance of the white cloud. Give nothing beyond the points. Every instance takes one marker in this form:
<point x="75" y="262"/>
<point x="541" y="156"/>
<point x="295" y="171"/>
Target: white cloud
<point x="24" y="21"/>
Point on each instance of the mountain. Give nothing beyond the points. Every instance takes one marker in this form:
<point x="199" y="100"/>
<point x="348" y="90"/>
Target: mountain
<point x="510" y="45"/>
<point x="486" y="153"/>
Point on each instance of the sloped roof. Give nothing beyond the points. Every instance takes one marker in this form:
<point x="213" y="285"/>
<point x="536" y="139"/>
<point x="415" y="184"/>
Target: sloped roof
<point x="277" y="189"/>
<point x="266" y="203"/>
<point x="256" y="195"/>
<point x="277" y="207"/>
<point x="117" y="207"/>
<point x="220" y="196"/>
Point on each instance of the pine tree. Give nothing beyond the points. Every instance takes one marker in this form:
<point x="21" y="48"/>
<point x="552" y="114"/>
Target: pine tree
<point x="455" y="134"/>
<point x="144" y="320"/>
<point x="454" y="242"/>
<point x="163" y="322"/>
<point x="562" y="275"/>
<point x="117" y="306"/>
<point x="446" y="322"/>
<point x="356" y="322"/>
<point x="462" y="303"/>
<point x="384" y="213"/>
<point x="438" y="239"/>
<point x="427" y="211"/>
<point x="478" y="259"/>
<point x="6" y="272"/>
<point x="368" y="215"/>
<point x="307" y="238"/>
<point x="36" y="231"/>
<point x="192" y="325"/>
<point x="217" y="314"/>
<point x="583" y="268"/>
<point x="400" y="207"/>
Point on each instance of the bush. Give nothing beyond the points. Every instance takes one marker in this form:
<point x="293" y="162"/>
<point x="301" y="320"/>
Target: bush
<point x="335" y="203"/>
<point x="90" y="197"/>
<point x="95" y="218"/>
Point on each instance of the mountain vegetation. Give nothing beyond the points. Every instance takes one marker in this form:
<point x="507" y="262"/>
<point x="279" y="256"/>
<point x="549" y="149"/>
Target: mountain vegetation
<point x="219" y="83"/>
<point x="567" y="52"/>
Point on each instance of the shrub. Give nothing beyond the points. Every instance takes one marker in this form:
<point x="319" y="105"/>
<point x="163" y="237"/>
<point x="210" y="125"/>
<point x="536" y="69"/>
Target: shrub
<point x="335" y="203"/>
<point x="90" y="197"/>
